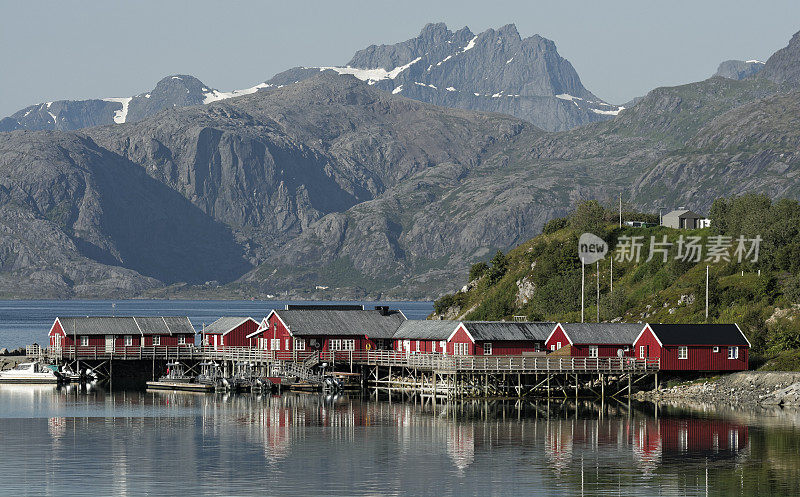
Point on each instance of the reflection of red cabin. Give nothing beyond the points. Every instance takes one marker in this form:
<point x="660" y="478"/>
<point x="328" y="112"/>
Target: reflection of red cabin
<point x="594" y="339"/>
<point x="497" y="338"/>
<point x="230" y="332"/>
<point x="105" y="334"/>
<point x="701" y="436"/>
<point x="694" y="347"/>
<point x="334" y="329"/>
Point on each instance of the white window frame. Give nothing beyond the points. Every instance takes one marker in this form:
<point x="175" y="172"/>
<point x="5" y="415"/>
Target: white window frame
<point x="299" y="344"/>
<point x="460" y="348"/>
<point x="715" y="349"/>
<point x="349" y="345"/>
<point x="683" y="352"/>
<point x="558" y="345"/>
<point x="417" y="345"/>
<point x="642" y="351"/>
<point x="487" y="348"/>
<point x="552" y="348"/>
<point x="128" y="340"/>
<point x="594" y="351"/>
<point x="275" y="344"/>
<point x="181" y="339"/>
<point x="288" y="347"/>
<point x="84" y="341"/>
<point x="156" y="340"/>
<point x="733" y="352"/>
<point x="443" y="345"/>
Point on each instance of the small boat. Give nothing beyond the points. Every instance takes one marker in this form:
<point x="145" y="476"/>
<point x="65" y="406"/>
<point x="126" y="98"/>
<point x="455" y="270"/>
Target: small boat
<point x="29" y="372"/>
<point x="175" y="374"/>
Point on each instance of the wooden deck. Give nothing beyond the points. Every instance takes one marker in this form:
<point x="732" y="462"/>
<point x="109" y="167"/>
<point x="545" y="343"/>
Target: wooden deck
<point x="425" y="362"/>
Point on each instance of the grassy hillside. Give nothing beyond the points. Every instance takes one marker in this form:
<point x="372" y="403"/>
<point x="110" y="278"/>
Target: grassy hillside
<point x="541" y="278"/>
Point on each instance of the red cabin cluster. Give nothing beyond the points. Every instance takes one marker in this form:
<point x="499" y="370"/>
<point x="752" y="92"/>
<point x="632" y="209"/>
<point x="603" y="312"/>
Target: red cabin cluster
<point x="107" y="334"/>
<point x="348" y="328"/>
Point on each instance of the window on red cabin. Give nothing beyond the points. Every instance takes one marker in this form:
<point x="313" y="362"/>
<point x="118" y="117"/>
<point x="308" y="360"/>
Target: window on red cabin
<point x="683" y="352"/>
<point x="642" y="352"/>
<point x="299" y="344"/>
<point x="182" y="340"/>
<point x="593" y="352"/>
<point x="275" y="344"/>
<point x="733" y="352"/>
<point x="128" y="340"/>
<point x="156" y="340"/>
<point x="487" y="348"/>
<point x="84" y="341"/>
<point x="558" y="345"/>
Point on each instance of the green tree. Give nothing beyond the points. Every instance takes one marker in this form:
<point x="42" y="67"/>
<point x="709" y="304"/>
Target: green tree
<point x="477" y="270"/>
<point x="588" y="217"/>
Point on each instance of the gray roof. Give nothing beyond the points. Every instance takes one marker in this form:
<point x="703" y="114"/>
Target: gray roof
<point x="336" y="322"/>
<point x="683" y="213"/>
<point x="225" y="324"/>
<point x="603" y="333"/>
<point x="127" y="325"/>
<point x="422" y="329"/>
<point x="508" y="330"/>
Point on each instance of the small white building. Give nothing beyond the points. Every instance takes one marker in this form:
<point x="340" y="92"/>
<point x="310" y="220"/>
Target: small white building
<point x="684" y="219"/>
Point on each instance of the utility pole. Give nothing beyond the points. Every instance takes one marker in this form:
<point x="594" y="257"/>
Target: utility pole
<point x="706" y="293"/>
<point x="583" y="279"/>
<point x="611" y="276"/>
<point x="660" y="216"/>
<point x="598" y="291"/>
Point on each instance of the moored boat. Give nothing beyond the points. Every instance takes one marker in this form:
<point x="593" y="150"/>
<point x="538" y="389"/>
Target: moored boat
<point x="29" y="372"/>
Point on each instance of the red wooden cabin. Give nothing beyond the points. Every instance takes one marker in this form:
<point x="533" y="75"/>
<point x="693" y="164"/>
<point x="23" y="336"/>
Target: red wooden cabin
<point x="319" y="329"/>
<point x="230" y="332"/>
<point x="423" y="336"/>
<point x="498" y="338"/>
<point x="694" y="347"/>
<point x="595" y="339"/>
<point x="105" y="333"/>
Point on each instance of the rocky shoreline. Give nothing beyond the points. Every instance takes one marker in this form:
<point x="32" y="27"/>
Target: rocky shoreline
<point x="765" y="388"/>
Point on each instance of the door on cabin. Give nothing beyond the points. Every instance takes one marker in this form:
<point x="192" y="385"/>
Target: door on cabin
<point x="407" y="346"/>
<point x="109" y="343"/>
<point x="57" y="342"/>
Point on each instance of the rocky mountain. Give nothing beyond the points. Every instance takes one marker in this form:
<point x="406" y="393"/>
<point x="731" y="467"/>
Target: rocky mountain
<point x="65" y="115"/>
<point x="495" y="71"/>
<point x="784" y="65"/>
<point x="335" y="182"/>
<point x="739" y="69"/>
<point x="225" y="185"/>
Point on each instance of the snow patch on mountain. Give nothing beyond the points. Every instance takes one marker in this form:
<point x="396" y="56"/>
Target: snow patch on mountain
<point x="120" y="115"/>
<point x="371" y="75"/>
<point x="608" y="112"/>
<point x="216" y="95"/>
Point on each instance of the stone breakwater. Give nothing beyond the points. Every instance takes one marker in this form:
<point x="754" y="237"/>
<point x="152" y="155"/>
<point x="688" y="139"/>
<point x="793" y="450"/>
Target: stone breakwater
<point x="766" y="388"/>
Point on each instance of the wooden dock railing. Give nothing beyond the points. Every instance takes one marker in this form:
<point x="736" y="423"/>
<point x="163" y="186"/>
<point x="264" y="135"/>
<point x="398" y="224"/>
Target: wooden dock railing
<point x="425" y="361"/>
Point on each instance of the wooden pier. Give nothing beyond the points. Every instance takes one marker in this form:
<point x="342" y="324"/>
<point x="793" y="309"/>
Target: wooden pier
<point x="426" y="374"/>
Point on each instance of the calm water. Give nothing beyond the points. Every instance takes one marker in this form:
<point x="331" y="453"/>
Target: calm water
<point x="73" y="442"/>
<point x="23" y="322"/>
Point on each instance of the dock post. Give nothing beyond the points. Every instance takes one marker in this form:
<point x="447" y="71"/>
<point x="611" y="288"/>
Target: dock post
<point x="629" y="385"/>
<point x="548" y="385"/>
<point x="656" y="381"/>
<point x="519" y="385"/>
<point x="576" y="386"/>
<point x="602" y="387"/>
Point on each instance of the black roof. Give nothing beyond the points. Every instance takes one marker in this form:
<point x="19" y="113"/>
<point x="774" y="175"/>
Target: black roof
<point x="699" y="334"/>
<point x="324" y="307"/>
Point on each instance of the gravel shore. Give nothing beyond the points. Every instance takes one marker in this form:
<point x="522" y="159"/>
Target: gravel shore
<point x="766" y="388"/>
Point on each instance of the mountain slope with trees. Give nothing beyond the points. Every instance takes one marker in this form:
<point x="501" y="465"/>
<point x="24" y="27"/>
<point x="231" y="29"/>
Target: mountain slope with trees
<point x="541" y="278"/>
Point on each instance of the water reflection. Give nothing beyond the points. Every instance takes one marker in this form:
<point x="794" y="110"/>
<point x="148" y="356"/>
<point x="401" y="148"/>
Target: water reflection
<point x="298" y="444"/>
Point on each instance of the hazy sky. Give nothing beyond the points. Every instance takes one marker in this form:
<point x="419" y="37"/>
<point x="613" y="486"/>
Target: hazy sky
<point x="52" y="50"/>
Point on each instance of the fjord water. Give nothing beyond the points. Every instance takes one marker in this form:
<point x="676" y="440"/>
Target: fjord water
<point x="72" y="441"/>
<point x="23" y="322"/>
